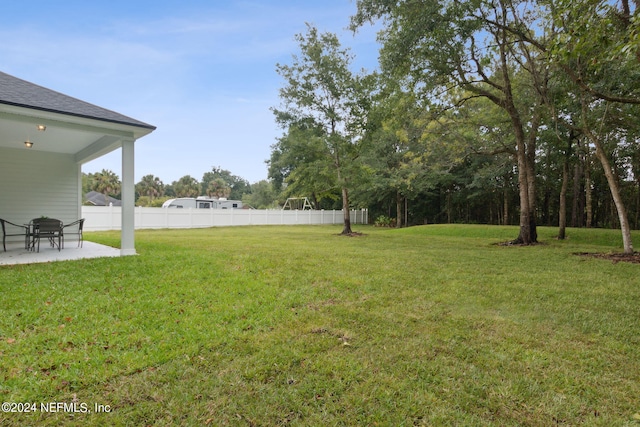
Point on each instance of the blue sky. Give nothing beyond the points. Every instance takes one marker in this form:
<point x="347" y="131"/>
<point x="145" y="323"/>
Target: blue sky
<point x="202" y="72"/>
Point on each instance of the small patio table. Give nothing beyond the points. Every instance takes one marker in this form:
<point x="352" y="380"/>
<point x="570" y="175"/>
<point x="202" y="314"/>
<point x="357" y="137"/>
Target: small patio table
<point x="49" y="228"/>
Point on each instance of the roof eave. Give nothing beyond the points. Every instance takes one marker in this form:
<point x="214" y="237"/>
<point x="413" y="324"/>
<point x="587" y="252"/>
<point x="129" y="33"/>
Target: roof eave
<point x="135" y="123"/>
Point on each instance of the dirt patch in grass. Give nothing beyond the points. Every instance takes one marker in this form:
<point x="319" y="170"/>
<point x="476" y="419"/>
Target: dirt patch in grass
<point x="633" y="258"/>
<point x="516" y="243"/>
<point x="352" y="234"/>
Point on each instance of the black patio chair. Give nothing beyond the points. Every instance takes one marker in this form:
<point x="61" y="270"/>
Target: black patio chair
<point x="78" y="230"/>
<point x="48" y="228"/>
<point x="24" y="232"/>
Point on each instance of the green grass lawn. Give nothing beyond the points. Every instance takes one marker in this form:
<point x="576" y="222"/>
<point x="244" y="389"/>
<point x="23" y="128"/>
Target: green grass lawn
<point x="432" y="325"/>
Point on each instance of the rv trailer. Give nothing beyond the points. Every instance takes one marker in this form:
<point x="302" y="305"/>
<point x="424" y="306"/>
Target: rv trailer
<point x="202" y="203"/>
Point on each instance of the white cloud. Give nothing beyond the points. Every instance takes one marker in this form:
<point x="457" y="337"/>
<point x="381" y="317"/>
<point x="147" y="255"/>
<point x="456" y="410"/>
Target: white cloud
<point x="202" y="72"/>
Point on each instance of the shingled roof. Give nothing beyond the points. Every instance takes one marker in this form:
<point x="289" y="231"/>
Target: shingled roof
<point x="98" y="199"/>
<point x="21" y="93"/>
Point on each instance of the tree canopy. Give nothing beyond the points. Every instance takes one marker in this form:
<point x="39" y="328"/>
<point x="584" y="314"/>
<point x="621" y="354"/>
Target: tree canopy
<point x="323" y="109"/>
<point x="493" y="111"/>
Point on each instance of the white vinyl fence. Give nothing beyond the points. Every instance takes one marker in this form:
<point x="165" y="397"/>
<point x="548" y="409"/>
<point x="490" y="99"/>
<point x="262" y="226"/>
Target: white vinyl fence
<point x="108" y="217"/>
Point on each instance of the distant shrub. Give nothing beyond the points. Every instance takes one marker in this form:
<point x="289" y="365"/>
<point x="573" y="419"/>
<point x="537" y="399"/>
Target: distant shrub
<point x="384" y="221"/>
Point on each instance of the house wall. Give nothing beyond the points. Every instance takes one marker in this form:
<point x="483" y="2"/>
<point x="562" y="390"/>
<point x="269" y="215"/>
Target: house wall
<point x="36" y="183"/>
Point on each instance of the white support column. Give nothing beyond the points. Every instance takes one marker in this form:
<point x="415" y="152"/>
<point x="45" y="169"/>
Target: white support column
<point x="79" y="191"/>
<point x="127" y="241"/>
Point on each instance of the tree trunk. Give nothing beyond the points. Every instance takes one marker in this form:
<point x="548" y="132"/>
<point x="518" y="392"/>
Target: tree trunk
<point x="612" y="180"/>
<point x="524" y="236"/>
<point x="345" y="211"/>
<point x="562" y="219"/>
<point x="546" y="204"/>
<point x="587" y="187"/>
<point x="406" y="212"/>
<point x="526" y="182"/>
<point x="491" y="214"/>
<point x="562" y="223"/>
<point x="346" y="230"/>
<point x="531" y="173"/>
<point x="398" y="209"/>
<point x="577" y="209"/>
<point x="531" y="177"/>
<point x="505" y="207"/>
<point x="637" y="201"/>
<point x="617" y="198"/>
<point x="525" y="154"/>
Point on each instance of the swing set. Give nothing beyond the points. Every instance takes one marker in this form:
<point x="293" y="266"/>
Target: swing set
<point x="297" y="204"/>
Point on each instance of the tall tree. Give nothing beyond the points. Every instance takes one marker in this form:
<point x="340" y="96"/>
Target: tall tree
<point x="234" y="186"/>
<point x="392" y="148"/>
<point x="321" y="89"/>
<point x="599" y="130"/>
<point x="262" y="196"/>
<point x="300" y="165"/>
<point x="596" y="45"/>
<point x="470" y="45"/>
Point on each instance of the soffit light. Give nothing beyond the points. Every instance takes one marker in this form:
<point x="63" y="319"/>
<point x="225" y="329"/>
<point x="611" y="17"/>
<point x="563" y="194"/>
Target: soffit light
<point x="28" y="144"/>
<point x="41" y="128"/>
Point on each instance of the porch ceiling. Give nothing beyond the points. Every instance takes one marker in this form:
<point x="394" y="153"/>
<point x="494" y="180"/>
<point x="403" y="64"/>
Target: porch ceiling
<point x="72" y="126"/>
<point x="83" y="137"/>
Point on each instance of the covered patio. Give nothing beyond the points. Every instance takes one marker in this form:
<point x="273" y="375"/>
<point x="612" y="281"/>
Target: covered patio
<point x="17" y="254"/>
<point x="45" y="138"/>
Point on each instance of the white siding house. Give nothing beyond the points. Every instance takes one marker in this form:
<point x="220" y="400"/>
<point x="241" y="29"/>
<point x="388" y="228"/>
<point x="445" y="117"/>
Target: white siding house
<point x="46" y="179"/>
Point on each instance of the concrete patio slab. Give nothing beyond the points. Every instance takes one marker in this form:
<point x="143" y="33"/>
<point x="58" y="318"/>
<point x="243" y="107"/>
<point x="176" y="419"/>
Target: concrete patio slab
<point x="17" y="254"/>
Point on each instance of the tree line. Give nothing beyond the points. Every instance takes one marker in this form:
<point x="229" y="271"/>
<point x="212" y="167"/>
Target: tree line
<point x="217" y="183"/>
<point x="491" y="111"/>
<point x="487" y="111"/>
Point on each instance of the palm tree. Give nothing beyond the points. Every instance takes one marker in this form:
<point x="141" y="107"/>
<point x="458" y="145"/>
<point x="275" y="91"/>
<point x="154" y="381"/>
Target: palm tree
<point x="187" y="186"/>
<point x="107" y="183"/>
<point x="150" y="186"/>
<point x="218" y="188"/>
